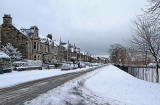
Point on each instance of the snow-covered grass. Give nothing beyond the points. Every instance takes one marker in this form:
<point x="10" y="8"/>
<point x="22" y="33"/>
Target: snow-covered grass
<point x="105" y="86"/>
<point x="115" y="84"/>
<point x="15" y="78"/>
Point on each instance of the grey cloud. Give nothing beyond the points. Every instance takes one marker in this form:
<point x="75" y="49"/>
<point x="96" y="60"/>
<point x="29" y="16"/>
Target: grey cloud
<point x="92" y="24"/>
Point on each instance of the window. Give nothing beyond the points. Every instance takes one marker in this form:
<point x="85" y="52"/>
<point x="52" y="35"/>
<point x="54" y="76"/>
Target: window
<point x="34" y="57"/>
<point x="34" y="45"/>
<point x="38" y="57"/>
<point x="23" y="38"/>
<point x="39" y="47"/>
<point x="46" y="48"/>
<point x="17" y="38"/>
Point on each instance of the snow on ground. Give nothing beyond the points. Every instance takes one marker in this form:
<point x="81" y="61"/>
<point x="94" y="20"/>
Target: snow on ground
<point x="68" y="94"/>
<point x="14" y="78"/>
<point x="105" y="86"/>
<point x="115" y="84"/>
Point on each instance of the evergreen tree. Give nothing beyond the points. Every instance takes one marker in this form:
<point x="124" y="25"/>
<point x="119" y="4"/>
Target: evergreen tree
<point x="12" y="52"/>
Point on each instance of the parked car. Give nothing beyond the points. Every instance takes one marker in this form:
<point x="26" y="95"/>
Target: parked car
<point x="69" y="66"/>
<point x="95" y="64"/>
<point x="74" y="66"/>
<point x="81" y="64"/>
<point x="66" y="66"/>
<point x="88" y="64"/>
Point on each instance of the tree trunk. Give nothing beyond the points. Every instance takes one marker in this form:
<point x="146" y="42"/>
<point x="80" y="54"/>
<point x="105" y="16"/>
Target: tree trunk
<point x="157" y="73"/>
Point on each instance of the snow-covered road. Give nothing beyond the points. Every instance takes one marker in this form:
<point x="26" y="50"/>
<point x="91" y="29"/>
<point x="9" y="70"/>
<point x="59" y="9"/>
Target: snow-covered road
<point x="15" y="78"/>
<point x="105" y="86"/>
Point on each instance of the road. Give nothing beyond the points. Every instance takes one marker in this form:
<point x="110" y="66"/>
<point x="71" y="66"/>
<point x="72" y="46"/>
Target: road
<point x="19" y="94"/>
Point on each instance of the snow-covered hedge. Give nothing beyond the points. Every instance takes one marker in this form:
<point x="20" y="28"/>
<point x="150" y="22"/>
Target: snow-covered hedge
<point x="34" y="63"/>
<point x="27" y="63"/>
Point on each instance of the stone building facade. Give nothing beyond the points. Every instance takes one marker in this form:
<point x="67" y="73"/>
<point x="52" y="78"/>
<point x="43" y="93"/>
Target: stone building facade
<point x="27" y="41"/>
<point x="10" y="34"/>
<point x="33" y="47"/>
<point x="34" y="44"/>
<point x="39" y="47"/>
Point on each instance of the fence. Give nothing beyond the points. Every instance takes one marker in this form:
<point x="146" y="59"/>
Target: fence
<point x="147" y="74"/>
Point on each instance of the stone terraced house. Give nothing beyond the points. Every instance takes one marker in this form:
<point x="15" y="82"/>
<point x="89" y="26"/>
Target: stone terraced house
<point x="32" y="47"/>
<point x="10" y="34"/>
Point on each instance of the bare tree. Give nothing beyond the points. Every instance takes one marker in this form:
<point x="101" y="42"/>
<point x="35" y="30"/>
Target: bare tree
<point x="118" y="54"/>
<point x="155" y="5"/>
<point x="114" y="53"/>
<point x="154" y="10"/>
<point x="147" y="38"/>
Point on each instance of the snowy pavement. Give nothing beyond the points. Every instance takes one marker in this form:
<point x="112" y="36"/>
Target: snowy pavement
<point x="15" y="78"/>
<point x="105" y="86"/>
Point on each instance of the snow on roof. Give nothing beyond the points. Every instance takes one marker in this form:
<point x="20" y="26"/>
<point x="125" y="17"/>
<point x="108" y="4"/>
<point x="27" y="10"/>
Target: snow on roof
<point x="27" y="32"/>
<point x="50" y="42"/>
<point x="65" y="46"/>
<point x="77" y="49"/>
<point x="43" y="40"/>
<point x="104" y="56"/>
<point x="56" y="42"/>
<point x="3" y="55"/>
<point x="84" y="53"/>
<point x="72" y="49"/>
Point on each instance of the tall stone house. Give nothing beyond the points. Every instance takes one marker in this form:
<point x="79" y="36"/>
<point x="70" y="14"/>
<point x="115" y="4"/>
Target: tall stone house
<point x="27" y="41"/>
<point x="47" y="48"/>
<point x="10" y="34"/>
<point x="34" y="42"/>
<point x="40" y="48"/>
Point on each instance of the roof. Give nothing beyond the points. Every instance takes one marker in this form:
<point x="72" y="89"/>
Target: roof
<point x="72" y="49"/>
<point x="27" y="32"/>
<point x="3" y="55"/>
<point x="77" y="49"/>
<point x="43" y="40"/>
<point x="66" y="46"/>
<point x="56" y="42"/>
<point x="82" y="52"/>
<point x="51" y="42"/>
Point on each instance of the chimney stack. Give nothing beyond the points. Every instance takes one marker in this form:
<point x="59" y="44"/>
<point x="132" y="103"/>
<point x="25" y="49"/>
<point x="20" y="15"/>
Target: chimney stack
<point x="7" y="19"/>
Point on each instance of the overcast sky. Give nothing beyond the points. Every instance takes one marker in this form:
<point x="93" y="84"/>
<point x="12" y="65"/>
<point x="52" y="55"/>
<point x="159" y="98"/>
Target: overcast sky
<point x="92" y="25"/>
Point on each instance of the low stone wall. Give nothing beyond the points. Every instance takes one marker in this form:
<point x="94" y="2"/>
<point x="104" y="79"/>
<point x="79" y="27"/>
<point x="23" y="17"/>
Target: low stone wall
<point x="22" y="69"/>
<point x="27" y="68"/>
<point x="7" y="71"/>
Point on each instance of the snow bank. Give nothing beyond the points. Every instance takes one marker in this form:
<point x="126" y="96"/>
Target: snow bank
<point x="116" y="84"/>
<point x="69" y="93"/>
<point x="3" y="55"/>
<point x="14" y="78"/>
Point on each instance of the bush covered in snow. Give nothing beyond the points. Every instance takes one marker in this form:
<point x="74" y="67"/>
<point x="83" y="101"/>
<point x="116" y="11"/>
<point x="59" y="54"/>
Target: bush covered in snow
<point x="12" y="52"/>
